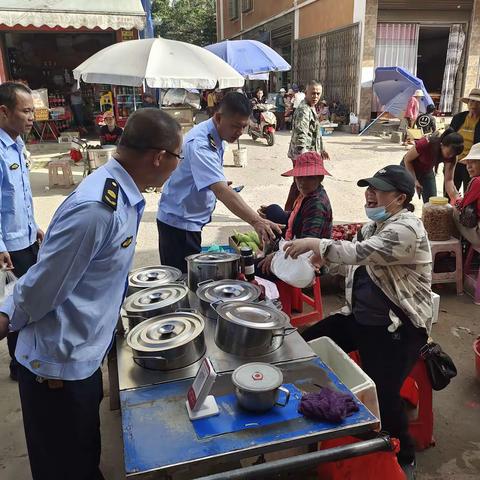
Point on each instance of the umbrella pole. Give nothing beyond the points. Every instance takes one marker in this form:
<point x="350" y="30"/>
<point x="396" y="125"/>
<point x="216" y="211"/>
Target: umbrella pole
<point x="372" y="123"/>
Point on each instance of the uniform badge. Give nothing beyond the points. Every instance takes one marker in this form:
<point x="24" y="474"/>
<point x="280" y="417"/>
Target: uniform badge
<point x="110" y="193"/>
<point x="211" y="141"/>
<point x="127" y="242"/>
<point x="14" y="166"/>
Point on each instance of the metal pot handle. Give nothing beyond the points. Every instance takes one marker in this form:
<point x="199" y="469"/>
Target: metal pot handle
<point x="210" y="280"/>
<point x="287" y="397"/>
<point x="135" y="316"/>
<point x="186" y="309"/>
<point x="286" y="332"/>
<point x="150" y="357"/>
<point x="216" y="303"/>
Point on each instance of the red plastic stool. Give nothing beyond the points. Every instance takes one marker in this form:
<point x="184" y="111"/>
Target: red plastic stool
<point x="471" y="278"/>
<point x="293" y="298"/>
<point x="417" y="389"/>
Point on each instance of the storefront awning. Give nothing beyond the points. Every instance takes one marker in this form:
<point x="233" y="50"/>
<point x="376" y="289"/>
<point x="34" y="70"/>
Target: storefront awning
<point x="115" y="14"/>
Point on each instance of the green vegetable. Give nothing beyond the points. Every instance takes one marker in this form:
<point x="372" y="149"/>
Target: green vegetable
<point x="254" y="238"/>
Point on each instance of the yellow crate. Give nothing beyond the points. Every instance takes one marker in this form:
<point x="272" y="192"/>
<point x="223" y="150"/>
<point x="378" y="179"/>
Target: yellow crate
<point x="41" y="114"/>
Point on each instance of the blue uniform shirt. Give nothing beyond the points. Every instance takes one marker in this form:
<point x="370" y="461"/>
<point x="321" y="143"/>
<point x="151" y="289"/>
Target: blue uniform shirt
<point x="67" y="305"/>
<point x="187" y="201"/>
<point x="18" y="228"/>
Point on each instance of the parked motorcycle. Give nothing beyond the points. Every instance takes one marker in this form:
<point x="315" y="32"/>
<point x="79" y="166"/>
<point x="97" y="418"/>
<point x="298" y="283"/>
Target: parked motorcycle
<point x="267" y="125"/>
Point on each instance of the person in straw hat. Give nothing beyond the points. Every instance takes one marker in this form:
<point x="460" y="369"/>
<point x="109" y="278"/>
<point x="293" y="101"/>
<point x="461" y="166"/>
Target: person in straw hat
<point x="467" y="124"/>
<point x="467" y="219"/>
<point x="411" y="113"/>
<point x="312" y="213"/>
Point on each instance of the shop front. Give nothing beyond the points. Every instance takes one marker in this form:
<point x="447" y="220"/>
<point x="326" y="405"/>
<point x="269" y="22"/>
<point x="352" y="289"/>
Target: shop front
<point x="42" y="46"/>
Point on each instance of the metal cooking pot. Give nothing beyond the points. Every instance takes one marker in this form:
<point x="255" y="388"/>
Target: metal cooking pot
<point x="257" y="386"/>
<point x="210" y="292"/>
<point x="154" y="301"/>
<point x="168" y="342"/>
<point x="211" y="266"/>
<point x="152" y="276"/>
<point x="250" y="329"/>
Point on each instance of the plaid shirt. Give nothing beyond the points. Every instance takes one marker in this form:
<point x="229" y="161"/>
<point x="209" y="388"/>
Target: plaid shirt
<point x="315" y="216"/>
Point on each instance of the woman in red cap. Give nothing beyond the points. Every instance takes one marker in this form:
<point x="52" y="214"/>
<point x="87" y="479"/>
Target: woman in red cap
<point x="312" y="213"/>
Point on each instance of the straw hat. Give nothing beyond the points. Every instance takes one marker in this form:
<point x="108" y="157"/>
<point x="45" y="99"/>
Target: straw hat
<point x="474" y="154"/>
<point x="418" y="93"/>
<point x="474" y="95"/>
<point x="308" y="164"/>
<point x="282" y="90"/>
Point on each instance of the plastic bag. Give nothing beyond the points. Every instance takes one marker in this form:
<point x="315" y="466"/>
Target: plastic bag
<point x="297" y="272"/>
<point x="353" y="119"/>
<point x="7" y="282"/>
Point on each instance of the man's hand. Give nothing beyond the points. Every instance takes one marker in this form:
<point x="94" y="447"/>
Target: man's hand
<point x="266" y="229"/>
<point x="40" y="236"/>
<point x="297" y="247"/>
<point x="6" y="261"/>
<point x="4" y="322"/>
<point x="418" y="187"/>
<point x="266" y="263"/>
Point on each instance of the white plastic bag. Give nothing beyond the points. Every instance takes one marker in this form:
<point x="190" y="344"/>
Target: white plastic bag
<point x="353" y="119"/>
<point x="7" y="282"/>
<point x="299" y="273"/>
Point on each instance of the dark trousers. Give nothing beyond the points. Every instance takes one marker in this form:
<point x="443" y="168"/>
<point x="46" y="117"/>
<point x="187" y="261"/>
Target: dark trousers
<point x="176" y="244"/>
<point x="22" y="260"/>
<point x="429" y="185"/>
<point x="387" y="358"/>
<point x="62" y="426"/>
<point x="461" y="177"/>
<point x="280" y="120"/>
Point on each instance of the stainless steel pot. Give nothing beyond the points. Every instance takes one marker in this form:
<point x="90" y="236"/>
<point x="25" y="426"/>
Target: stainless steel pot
<point x="168" y="342"/>
<point x="250" y="329"/>
<point x="257" y="386"/>
<point x="152" y="276"/>
<point x="211" y="266"/>
<point x="221" y="291"/>
<point x="154" y="301"/>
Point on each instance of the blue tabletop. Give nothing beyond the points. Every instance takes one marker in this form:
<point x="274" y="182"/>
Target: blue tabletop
<point x="158" y="434"/>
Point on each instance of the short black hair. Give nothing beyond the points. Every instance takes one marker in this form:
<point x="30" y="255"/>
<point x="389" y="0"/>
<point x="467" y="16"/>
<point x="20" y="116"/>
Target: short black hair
<point x="8" y="93"/>
<point x="150" y="128"/>
<point x="235" y="103"/>
<point x="430" y="108"/>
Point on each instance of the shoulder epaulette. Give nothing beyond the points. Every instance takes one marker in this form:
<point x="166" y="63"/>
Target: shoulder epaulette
<point x="110" y="193"/>
<point x="211" y="141"/>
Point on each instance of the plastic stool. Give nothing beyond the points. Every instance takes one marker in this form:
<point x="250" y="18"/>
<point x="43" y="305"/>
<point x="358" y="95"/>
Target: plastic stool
<point x="60" y="173"/>
<point x="293" y="298"/>
<point x="453" y="245"/>
<point x="472" y="278"/>
<point x="421" y="429"/>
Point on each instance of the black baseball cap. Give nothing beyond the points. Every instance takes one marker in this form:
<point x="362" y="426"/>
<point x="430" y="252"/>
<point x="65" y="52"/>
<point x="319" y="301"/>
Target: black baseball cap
<point x="390" y="178"/>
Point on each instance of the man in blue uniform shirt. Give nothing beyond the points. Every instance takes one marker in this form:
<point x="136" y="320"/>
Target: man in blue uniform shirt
<point x="67" y="305"/>
<point x="189" y="197"/>
<point x="19" y="233"/>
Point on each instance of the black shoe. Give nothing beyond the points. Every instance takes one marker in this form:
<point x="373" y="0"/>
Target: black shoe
<point x="13" y="370"/>
<point x="409" y="470"/>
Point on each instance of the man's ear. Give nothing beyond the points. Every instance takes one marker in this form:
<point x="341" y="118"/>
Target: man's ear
<point x="3" y="111"/>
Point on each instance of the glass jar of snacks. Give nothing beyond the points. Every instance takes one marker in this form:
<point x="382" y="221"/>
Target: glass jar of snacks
<point x="437" y="217"/>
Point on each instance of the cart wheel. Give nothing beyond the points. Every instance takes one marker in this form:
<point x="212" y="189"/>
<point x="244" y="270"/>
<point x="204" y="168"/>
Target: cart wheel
<point x="270" y="139"/>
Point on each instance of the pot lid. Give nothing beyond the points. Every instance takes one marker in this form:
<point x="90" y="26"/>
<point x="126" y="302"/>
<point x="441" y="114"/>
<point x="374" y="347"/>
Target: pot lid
<point x="228" y="291"/>
<point x="164" y="332"/>
<point x="257" y="377"/>
<point x="155" y="298"/>
<point x="153" y="276"/>
<point x="213" y="257"/>
<point x="253" y="315"/>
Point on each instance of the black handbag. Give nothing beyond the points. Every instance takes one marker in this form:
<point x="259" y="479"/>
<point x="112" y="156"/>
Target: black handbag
<point x="468" y="216"/>
<point x="440" y="366"/>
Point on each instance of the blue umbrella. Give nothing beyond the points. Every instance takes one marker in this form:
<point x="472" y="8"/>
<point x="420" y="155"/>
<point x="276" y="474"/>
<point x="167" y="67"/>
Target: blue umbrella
<point x="394" y="86"/>
<point x="249" y="57"/>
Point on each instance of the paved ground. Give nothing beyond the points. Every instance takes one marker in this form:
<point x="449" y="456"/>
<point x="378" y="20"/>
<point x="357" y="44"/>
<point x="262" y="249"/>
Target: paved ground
<point x="457" y="409"/>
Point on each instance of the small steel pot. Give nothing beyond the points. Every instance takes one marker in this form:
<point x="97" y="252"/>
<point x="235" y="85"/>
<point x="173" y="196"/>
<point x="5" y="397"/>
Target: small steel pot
<point x="168" y="342"/>
<point x="152" y="276"/>
<point x="223" y="291"/>
<point x="250" y="329"/>
<point x="211" y="266"/>
<point x="154" y="301"/>
<point x="257" y="387"/>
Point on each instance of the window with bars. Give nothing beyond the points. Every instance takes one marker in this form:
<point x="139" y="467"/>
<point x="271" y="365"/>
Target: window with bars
<point x="247" y="5"/>
<point x="233" y="10"/>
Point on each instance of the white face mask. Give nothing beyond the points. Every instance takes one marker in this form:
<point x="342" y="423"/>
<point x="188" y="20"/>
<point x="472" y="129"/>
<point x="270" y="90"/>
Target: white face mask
<point x="379" y="214"/>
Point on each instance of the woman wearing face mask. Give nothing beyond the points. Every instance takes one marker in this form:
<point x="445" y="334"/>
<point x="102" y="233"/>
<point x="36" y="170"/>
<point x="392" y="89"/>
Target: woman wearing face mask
<point x="472" y="197"/>
<point x="388" y="313"/>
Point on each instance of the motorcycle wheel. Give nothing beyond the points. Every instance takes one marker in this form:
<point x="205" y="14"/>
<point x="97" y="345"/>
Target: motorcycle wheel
<point x="270" y="138"/>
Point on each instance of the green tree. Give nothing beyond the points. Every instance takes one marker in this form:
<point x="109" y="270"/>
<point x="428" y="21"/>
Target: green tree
<point x="191" y="21"/>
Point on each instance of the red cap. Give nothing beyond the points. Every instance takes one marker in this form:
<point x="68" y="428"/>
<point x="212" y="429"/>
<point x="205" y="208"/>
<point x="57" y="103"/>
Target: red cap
<point x="308" y="164"/>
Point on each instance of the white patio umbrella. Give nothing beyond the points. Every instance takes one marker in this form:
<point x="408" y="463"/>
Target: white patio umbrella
<point x="160" y="63"/>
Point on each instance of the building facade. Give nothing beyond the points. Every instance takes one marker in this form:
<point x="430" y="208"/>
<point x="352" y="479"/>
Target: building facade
<point x="341" y="42"/>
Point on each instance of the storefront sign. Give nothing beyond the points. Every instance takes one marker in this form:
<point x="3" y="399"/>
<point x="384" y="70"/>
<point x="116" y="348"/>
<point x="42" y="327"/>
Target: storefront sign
<point x="127" y="35"/>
